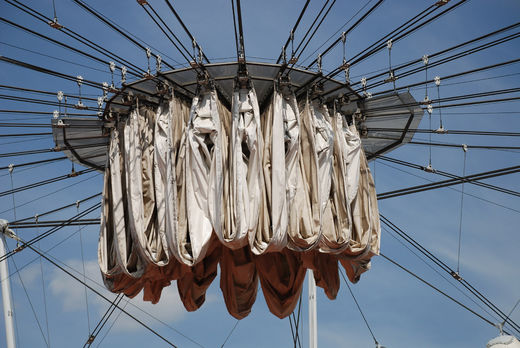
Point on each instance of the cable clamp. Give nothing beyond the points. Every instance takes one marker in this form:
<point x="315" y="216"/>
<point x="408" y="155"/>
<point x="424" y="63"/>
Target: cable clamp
<point x="441" y="3"/>
<point x="465" y="147"/>
<point x="442" y="130"/>
<point x="158" y="62"/>
<point x="123" y="74"/>
<point x="456" y="275"/>
<point x="500" y="327"/>
<point x="391" y="77"/>
<point x="54" y="23"/>
<point x="437" y="80"/>
<point x="80" y="106"/>
<point x="11" y="168"/>
<point x="293" y="59"/>
<point x="425" y="59"/>
<point x="284" y="56"/>
<point x="142" y="2"/>
<point x="55" y="114"/>
<point x="429" y="169"/>
<point x="59" y="95"/>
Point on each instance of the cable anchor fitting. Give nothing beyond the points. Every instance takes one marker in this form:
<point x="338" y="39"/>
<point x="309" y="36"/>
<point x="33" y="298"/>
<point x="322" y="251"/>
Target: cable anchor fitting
<point x="5" y="230"/>
<point x="55" y="24"/>
<point x="79" y="104"/>
<point x="112" y="67"/>
<point x="456" y="275"/>
<point x="158" y="62"/>
<point x="441" y="3"/>
<point x="123" y="74"/>
<point x="293" y="59"/>
<point x="147" y="74"/>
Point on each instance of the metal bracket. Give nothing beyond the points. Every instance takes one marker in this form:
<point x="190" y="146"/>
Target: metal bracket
<point x="430" y="169"/>
<point x="293" y="60"/>
<point x="391" y="77"/>
<point x="456" y="275"/>
<point x="54" y="23"/>
<point x="441" y="3"/>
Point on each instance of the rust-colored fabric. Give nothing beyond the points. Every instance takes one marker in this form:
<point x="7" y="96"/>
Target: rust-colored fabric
<point x="265" y="197"/>
<point x="281" y="276"/>
<point x="238" y="280"/>
<point x="193" y="284"/>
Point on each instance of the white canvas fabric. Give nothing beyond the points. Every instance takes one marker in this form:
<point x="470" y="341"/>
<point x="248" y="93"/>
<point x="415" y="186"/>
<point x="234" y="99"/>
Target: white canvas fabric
<point x="175" y="228"/>
<point x="139" y="150"/>
<point x="324" y="140"/>
<point x="203" y="176"/>
<point x="160" y="162"/>
<point x="281" y="132"/>
<point x="304" y="230"/>
<point x="503" y="341"/>
<point x="365" y="228"/>
<point x="189" y="188"/>
<point x="352" y="159"/>
<point x="121" y="265"/>
<point x="337" y="220"/>
<point x="245" y="170"/>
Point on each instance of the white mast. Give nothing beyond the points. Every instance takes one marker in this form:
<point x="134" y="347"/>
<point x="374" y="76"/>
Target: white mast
<point x="313" y="323"/>
<point x="6" y="292"/>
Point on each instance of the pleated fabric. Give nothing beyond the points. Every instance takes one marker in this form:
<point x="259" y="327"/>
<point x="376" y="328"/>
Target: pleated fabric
<point x="304" y="230"/>
<point x="281" y="277"/>
<point x="356" y="258"/>
<point x="238" y="280"/>
<point x="190" y="188"/>
<point x="245" y="170"/>
<point x="280" y="128"/>
<point x="203" y="177"/>
<point x="337" y="219"/>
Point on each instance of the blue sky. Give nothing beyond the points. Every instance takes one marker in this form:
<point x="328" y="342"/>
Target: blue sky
<point x="402" y="312"/>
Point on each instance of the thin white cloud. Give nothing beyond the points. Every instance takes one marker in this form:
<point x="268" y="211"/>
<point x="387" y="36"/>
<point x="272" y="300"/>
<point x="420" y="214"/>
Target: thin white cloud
<point x="71" y="294"/>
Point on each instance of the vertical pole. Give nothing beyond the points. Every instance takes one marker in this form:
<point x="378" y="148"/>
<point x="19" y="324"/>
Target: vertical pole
<point x="313" y="324"/>
<point x="6" y="298"/>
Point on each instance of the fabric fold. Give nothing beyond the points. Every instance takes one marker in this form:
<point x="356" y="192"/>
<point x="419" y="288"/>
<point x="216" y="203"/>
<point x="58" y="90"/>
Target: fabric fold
<point x="196" y="280"/>
<point x="365" y="217"/>
<point x="305" y="213"/>
<point x="203" y="178"/>
<point x="281" y="277"/>
<point x="238" y="280"/>
<point x="189" y="187"/>
<point x="280" y="128"/>
<point x="245" y="170"/>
